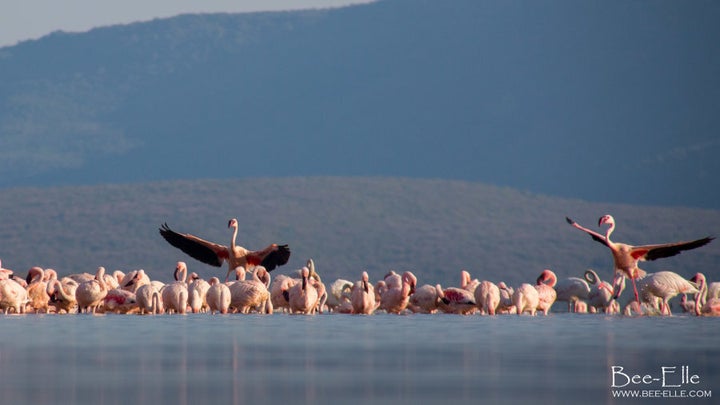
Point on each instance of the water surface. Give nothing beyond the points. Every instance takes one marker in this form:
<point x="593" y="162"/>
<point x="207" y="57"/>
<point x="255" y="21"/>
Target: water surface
<point x="562" y="358"/>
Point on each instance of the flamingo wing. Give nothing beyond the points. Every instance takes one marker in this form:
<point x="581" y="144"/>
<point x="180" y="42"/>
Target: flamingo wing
<point x="596" y="236"/>
<point x="652" y="252"/>
<point x="277" y="257"/>
<point x="207" y="252"/>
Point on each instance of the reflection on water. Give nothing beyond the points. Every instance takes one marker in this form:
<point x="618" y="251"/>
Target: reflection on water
<point x="191" y="359"/>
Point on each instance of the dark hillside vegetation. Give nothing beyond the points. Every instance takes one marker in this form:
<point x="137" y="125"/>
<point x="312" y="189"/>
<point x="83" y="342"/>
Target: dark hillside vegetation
<point x="432" y="227"/>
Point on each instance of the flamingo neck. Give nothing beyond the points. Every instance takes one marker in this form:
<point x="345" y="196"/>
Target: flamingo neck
<point x="609" y="231"/>
<point x="234" y="236"/>
<point x="699" y="296"/>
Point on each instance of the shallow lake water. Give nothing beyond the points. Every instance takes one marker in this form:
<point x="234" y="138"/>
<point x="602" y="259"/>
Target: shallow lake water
<point x="279" y="358"/>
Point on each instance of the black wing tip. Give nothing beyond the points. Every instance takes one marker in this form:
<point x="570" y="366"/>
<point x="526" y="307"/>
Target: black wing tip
<point x="569" y="221"/>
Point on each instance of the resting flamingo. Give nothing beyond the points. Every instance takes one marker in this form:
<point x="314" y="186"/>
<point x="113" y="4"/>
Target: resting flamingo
<point x="89" y="294"/>
<point x="251" y="294"/>
<point x="455" y="300"/>
<point x="467" y="282"/>
<point x="62" y="294"/>
<point x="424" y="300"/>
<point x="197" y="294"/>
<point x="626" y="257"/>
<point x="236" y="256"/>
<point x="148" y="299"/>
<point x="506" y="305"/>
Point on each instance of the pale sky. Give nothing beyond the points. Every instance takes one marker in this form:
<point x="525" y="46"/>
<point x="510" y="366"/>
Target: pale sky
<point x="31" y="19"/>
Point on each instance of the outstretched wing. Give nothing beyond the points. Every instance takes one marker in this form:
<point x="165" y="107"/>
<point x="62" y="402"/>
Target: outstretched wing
<point x="207" y="252"/>
<point x="277" y="257"/>
<point x="652" y="252"/>
<point x="596" y="236"/>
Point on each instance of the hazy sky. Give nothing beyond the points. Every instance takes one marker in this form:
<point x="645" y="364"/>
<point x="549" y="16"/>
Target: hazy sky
<point x="30" y="19"/>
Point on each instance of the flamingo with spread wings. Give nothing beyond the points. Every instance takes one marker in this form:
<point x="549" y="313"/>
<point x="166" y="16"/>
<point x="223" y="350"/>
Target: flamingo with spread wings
<point x="215" y="254"/>
<point x="626" y="257"/>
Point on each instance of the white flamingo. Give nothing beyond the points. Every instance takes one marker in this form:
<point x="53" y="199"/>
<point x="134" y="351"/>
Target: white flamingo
<point x="148" y="299"/>
<point x="250" y="294"/>
<point x="665" y="285"/>
<point x="13" y="296"/>
<point x="572" y="290"/>
<point x="197" y="294"/>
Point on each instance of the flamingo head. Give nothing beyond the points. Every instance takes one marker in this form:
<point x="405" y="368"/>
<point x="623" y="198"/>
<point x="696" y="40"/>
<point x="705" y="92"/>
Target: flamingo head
<point x="606" y="219"/>
<point x="180" y="266"/>
<point x="409" y="278"/>
<point x="698" y="278"/>
<point x="547" y="276"/>
<point x="233" y="223"/>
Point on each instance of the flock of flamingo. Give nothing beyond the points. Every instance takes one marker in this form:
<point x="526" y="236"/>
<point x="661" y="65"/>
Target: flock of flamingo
<point x="304" y="292"/>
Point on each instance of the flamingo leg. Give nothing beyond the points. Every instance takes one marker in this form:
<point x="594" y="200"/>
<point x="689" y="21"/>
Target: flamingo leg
<point x="637" y="296"/>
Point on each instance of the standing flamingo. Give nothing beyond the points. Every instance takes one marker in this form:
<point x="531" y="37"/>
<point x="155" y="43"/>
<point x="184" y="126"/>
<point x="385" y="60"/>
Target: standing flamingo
<point x="703" y="307"/>
<point x="251" y="294"/>
<point x="487" y="297"/>
<point x="236" y="256"/>
<point x="148" y="299"/>
<point x="37" y="290"/>
<point x="526" y="298"/>
<point x="362" y="296"/>
<point x="601" y="294"/>
<point x="218" y="296"/>
<point x="175" y="295"/>
<point x="626" y="257"/>
<point x="90" y="294"/>
<point x="197" y="294"/>
<point x="303" y="297"/>
<point x="665" y="285"/>
<point x="12" y="296"/>
<point x="394" y="299"/>
<point x="546" y="293"/>
<point x="572" y="290"/>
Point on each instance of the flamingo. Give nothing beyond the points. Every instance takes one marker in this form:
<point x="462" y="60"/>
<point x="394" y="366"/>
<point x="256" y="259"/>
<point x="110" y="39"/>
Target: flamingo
<point x="218" y="296"/>
<point x="122" y="301"/>
<point x="546" y="293"/>
<point x="236" y="256"/>
<point x="89" y="294"/>
<point x="487" y="297"/>
<point x="12" y="296"/>
<point x="626" y="257"/>
<point x="665" y="285"/>
<point x="455" y="300"/>
<point x="506" y="305"/>
<point x="279" y="291"/>
<point x="424" y="300"/>
<point x="395" y="298"/>
<point x="601" y="294"/>
<point x="175" y="295"/>
<point x="249" y="294"/>
<point x="362" y="296"/>
<point x="303" y="297"/>
<point x="572" y="290"/>
<point x="62" y="294"/>
<point x="339" y="293"/>
<point x="134" y="280"/>
<point x="37" y="290"/>
<point x="703" y="307"/>
<point x="467" y="282"/>
<point x="197" y="294"/>
<point x="526" y="298"/>
<point x="148" y="299"/>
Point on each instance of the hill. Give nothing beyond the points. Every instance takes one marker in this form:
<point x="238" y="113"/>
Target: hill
<point x="612" y="102"/>
<point x="432" y="227"/>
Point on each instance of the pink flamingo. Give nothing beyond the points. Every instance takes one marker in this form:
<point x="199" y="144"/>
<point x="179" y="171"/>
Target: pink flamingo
<point x="424" y="300"/>
<point x="626" y="257"/>
<point x="487" y="297"/>
<point x="218" y="296"/>
<point x="705" y="305"/>
<point x="175" y="295"/>
<point x="455" y="300"/>
<point x="89" y="294"/>
<point x="303" y="297"/>
<point x="362" y="296"/>
<point x="250" y="294"/>
<point x="236" y="256"/>
<point x="37" y="290"/>
<point x="395" y="299"/>
<point x="526" y="298"/>
<point x="572" y="290"/>
<point x="546" y="293"/>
